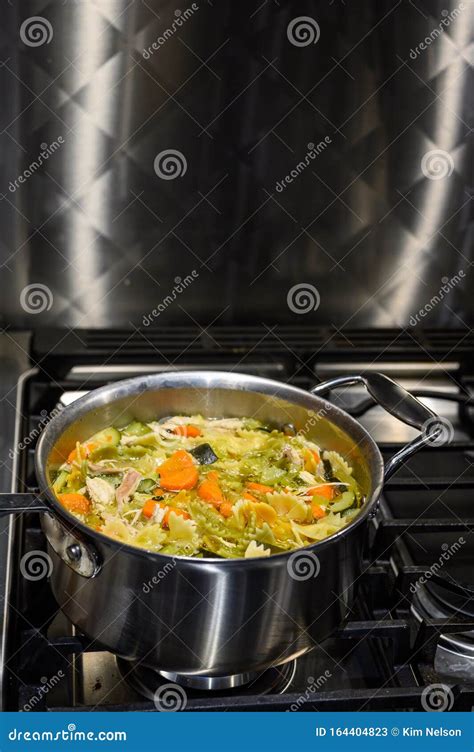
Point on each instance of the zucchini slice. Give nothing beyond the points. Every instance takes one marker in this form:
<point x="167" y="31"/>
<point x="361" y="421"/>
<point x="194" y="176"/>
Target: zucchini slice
<point x="107" y="436"/>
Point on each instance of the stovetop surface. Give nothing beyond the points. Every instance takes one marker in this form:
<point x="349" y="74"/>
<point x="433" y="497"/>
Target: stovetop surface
<point x="389" y="651"/>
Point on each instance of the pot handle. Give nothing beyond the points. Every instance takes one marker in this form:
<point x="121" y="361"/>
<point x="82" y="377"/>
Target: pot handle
<point x="18" y="503"/>
<point x="399" y="403"/>
<point x="78" y="554"/>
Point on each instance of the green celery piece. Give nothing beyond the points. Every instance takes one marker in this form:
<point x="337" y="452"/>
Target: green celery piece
<point x="146" y="486"/>
<point x="105" y="452"/>
<point x="134" y="451"/>
<point x="60" y="481"/>
<point x="344" y="501"/>
<point x="135" y="428"/>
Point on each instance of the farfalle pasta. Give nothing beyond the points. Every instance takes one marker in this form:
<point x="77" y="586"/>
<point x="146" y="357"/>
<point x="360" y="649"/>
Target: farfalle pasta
<point x="194" y="486"/>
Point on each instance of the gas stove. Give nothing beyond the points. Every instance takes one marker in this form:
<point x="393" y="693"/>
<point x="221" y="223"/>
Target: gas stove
<point x="412" y="626"/>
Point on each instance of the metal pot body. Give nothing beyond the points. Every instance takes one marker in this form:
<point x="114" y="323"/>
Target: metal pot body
<point x="208" y="617"/>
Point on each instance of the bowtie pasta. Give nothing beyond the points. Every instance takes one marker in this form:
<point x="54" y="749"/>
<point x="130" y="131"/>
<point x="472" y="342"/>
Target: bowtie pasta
<point x="193" y="486"/>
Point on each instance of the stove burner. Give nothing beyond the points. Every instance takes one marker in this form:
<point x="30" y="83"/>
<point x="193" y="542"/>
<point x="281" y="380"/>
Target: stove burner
<point x="454" y="655"/>
<point x="146" y="680"/>
<point x="437" y="602"/>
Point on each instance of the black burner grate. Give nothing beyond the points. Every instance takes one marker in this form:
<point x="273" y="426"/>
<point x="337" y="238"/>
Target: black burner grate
<point x="380" y="660"/>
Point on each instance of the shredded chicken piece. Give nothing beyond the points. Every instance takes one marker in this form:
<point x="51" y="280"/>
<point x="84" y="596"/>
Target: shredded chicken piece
<point x="127" y="487"/>
<point x="290" y="454"/>
<point x="100" y="491"/>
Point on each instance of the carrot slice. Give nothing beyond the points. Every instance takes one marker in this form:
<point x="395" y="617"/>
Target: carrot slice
<point x="225" y="509"/>
<point x="85" y="450"/>
<point x="191" y="432"/>
<point x="178" y="472"/>
<point x="176" y="510"/>
<point x="149" y="508"/>
<point x="75" y="502"/>
<point x="72" y="456"/>
<point x="248" y="496"/>
<point x="326" y="491"/>
<point x="210" y="490"/>
<point x="260" y="488"/>
<point x="318" y="512"/>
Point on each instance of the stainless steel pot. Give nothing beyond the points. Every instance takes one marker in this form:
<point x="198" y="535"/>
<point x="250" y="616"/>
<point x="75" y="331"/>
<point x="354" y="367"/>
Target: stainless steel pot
<point x="212" y="621"/>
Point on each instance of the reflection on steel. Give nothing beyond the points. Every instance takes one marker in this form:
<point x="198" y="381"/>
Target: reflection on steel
<point x="365" y="223"/>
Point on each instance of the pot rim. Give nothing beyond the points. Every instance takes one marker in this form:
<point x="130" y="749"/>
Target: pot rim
<point x="201" y="379"/>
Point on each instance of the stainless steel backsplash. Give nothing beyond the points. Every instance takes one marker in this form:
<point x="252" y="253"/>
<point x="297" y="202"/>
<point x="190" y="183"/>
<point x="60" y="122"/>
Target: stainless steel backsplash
<point x="326" y="145"/>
